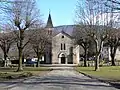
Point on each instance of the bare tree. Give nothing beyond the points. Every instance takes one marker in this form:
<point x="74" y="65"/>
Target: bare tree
<point x="28" y="51"/>
<point x="90" y="16"/>
<point x="6" y="41"/>
<point x="82" y="40"/>
<point x="22" y="14"/>
<point x="110" y="4"/>
<point x="113" y="40"/>
<point x="39" y="42"/>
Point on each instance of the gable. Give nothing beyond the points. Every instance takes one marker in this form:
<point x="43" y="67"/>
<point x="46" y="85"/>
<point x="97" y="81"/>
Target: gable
<point x="66" y="28"/>
<point x="63" y="35"/>
<point x="62" y="38"/>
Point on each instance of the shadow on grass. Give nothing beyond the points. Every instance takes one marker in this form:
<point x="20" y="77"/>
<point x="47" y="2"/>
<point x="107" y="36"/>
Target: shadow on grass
<point x="14" y="69"/>
<point x="116" y="85"/>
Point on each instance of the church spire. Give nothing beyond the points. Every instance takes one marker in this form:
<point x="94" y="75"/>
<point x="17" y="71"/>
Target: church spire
<point x="49" y="21"/>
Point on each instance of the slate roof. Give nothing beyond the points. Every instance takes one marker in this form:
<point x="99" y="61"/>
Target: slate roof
<point x="49" y="22"/>
<point x="65" y="29"/>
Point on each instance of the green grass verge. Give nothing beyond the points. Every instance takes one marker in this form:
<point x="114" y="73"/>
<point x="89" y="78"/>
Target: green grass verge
<point x="111" y="73"/>
<point x="10" y="73"/>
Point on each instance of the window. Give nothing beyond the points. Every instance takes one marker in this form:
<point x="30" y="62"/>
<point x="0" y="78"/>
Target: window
<point x="64" y="47"/>
<point x="61" y="46"/>
<point x="62" y="36"/>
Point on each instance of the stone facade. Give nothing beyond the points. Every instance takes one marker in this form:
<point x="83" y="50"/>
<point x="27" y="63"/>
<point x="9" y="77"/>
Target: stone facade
<point x="62" y="49"/>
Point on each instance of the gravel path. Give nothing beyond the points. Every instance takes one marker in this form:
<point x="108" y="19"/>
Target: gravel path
<point x="61" y="79"/>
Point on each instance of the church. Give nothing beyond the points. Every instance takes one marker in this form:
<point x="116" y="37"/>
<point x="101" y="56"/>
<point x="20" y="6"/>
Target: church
<point x="63" y="50"/>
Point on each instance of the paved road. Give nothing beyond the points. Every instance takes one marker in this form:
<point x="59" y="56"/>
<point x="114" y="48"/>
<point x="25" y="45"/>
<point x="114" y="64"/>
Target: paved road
<point x="63" y="79"/>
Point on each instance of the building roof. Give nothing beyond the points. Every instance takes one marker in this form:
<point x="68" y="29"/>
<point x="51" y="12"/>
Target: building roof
<point x="49" y="22"/>
<point x="63" y="32"/>
<point x="65" y="29"/>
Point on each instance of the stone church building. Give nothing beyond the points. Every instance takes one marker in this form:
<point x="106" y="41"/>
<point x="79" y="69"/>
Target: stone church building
<point x="63" y="50"/>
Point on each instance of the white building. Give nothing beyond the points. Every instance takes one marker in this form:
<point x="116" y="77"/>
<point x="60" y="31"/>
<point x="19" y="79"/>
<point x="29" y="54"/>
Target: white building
<point x="63" y="50"/>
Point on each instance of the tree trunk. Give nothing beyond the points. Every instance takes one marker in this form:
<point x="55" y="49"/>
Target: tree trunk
<point x="38" y="61"/>
<point x="113" y="52"/>
<point x="20" y="68"/>
<point x="85" y="59"/>
<point x="97" y="62"/>
<point x="20" y="49"/>
<point x="99" y="46"/>
<point x="112" y="61"/>
<point x="5" y="59"/>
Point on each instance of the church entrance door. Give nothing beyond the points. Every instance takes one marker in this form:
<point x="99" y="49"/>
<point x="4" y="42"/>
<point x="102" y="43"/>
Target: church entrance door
<point x="62" y="60"/>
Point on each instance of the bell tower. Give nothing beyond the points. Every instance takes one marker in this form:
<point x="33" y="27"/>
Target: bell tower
<point x="49" y="26"/>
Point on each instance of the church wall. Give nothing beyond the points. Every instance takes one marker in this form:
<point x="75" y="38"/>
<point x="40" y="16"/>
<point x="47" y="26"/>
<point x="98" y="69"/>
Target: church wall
<point x="56" y="47"/>
<point x="76" y="56"/>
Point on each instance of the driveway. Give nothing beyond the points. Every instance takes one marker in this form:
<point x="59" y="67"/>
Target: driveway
<point x="61" y="79"/>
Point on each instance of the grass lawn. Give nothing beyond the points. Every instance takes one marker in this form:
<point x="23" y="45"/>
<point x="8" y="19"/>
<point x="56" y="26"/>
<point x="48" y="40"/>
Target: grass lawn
<point x="10" y="73"/>
<point x="111" y="73"/>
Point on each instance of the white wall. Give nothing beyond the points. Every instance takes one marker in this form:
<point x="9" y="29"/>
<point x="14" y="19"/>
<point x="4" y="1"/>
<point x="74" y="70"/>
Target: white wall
<point x="56" y="46"/>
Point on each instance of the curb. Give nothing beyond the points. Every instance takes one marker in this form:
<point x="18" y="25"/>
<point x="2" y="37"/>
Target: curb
<point x="95" y="78"/>
<point x="104" y="81"/>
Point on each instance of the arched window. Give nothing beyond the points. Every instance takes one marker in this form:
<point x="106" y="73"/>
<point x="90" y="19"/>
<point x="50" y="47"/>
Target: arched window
<point x="61" y="46"/>
<point x="64" y="47"/>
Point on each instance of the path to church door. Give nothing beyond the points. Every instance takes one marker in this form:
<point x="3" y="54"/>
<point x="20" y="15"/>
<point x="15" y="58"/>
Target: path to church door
<point x="62" y="60"/>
